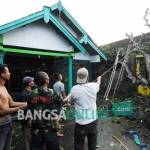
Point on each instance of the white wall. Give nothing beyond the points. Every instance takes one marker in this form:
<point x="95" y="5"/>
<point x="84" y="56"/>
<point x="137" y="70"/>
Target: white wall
<point x="92" y="59"/>
<point x="37" y="35"/>
<point x="80" y="56"/>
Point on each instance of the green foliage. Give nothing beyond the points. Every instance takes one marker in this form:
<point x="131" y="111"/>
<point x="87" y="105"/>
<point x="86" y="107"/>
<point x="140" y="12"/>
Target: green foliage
<point x="111" y="51"/>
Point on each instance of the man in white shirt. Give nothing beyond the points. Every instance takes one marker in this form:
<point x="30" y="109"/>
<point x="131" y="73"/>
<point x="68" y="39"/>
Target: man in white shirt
<point x="83" y="96"/>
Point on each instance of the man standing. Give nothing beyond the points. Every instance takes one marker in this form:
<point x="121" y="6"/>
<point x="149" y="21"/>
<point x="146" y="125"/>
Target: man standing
<point x="42" y="130"/>
<point x="28" y="84"/>
<point x="83" y="96"/>
<point x="7" y="107"/>
<point x="59" y="87"/>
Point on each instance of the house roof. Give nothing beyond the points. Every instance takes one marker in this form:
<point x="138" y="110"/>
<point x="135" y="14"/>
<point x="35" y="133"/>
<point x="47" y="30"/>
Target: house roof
<point x="63" y="21"/>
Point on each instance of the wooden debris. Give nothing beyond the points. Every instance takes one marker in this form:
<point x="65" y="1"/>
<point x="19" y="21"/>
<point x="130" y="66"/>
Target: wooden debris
<point x="116" y="138"/>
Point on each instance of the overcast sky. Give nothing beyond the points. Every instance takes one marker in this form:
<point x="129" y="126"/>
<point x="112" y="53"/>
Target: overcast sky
<point x="105" y="21"/>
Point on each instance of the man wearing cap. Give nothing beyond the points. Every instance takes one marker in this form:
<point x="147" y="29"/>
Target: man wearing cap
<point x="83" y="96"/>
<point x="28" y="84"/>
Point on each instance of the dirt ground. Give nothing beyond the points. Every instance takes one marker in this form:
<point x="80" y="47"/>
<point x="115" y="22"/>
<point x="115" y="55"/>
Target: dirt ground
<point x="107" y="129"/>
<point x="118" y="127"/>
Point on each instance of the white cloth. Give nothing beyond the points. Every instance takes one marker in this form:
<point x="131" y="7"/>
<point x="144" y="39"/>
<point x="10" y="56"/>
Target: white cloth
<point x="58" y="87"/>
<point x="83" y="96"/>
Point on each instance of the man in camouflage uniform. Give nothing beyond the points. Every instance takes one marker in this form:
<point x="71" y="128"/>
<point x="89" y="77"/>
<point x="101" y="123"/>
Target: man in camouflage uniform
<point x="43" y="132"/>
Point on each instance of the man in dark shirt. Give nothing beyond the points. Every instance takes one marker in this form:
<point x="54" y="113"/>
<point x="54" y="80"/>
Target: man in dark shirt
<point x="28" y="84"/>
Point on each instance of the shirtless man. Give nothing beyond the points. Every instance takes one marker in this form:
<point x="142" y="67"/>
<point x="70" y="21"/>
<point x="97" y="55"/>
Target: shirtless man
<point x="7" y="107"/>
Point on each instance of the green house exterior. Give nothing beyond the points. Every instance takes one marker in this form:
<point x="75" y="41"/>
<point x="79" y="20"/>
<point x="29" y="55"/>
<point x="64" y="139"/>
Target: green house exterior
<point x="50" y="33"/>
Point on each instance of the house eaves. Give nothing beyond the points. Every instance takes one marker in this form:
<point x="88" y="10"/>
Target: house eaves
<point x="85" y="37"/>
<point x="47" y="15"/>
